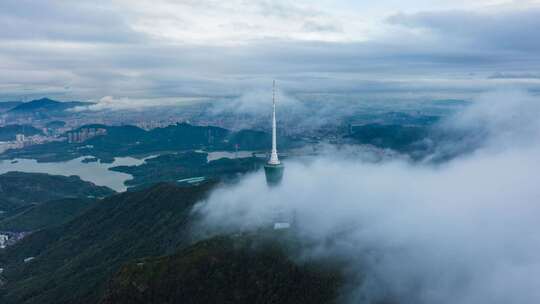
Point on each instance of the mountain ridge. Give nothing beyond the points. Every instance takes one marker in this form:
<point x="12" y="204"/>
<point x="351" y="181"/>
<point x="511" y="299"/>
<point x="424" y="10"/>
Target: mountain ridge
<point x="84" y="252"/>
<point x="241" y="269"/>
<point x="44" y="105"/>
<point x="21" y="190"/>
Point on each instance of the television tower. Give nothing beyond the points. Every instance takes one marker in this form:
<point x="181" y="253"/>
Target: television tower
<point x="273" y="169"/>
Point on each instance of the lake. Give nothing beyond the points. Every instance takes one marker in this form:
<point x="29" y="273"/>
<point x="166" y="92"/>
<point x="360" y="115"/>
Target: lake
<point x="226" y="154"/>
<point x="95" y="172"/>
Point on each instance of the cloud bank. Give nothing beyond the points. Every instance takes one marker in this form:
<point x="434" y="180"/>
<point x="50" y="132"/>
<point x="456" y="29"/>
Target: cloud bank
<point x="465" y="231"/>
<point x="162" y="49"/>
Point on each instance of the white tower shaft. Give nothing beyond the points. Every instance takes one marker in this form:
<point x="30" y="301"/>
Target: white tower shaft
<point x="274" y="160"/>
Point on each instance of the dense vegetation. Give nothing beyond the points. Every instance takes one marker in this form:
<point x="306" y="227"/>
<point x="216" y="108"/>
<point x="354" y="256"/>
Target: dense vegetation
<point x="47" y="214"/>
<point x="21" y="190"/>
<point x="140" y="247"/>
<point x="240" y="269"/>
<point x="179" y="137"/>
<point x="172" y="167"/>
<point x="130" y="140"/>
<point x="73" y="261"/>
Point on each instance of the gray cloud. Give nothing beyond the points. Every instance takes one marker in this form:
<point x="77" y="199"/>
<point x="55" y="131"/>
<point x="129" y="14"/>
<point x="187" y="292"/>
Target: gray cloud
<point x="312" y="26"/>
<point x="285" y="9"/>
<point x="64" y="21"/>
<point x="514" y="75"/>
<point x="512" y="30"/>
<point x="95" y="51"/>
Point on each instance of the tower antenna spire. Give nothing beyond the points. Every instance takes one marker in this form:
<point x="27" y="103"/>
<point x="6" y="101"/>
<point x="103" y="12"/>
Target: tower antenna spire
<point x="273" y="92"/>
<point x="273" y="169"/>
<point x="274" y="160"/>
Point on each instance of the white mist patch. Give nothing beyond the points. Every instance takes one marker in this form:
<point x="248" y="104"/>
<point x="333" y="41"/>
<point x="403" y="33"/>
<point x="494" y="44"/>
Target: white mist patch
<point x="256" y="102"/>
<point x="466" y="231"/>
<point x="110" y="103"/>
<point x="508" y="117"/>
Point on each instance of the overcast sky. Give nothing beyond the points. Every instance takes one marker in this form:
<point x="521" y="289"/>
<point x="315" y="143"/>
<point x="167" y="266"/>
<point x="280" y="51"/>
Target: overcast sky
<point x="193" y="48"/>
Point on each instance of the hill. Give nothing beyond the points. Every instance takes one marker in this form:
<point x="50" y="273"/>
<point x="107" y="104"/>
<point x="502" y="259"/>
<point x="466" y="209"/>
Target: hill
<point x="8" y="105"/>
<point x="180" y="137"/>
<point x="9" y="132"/>
<point x="48" y="214"/>
<point x="140" y="247"/>
<point x="224" y="270"/>
<point x="55" y="124"/>
<point x="45" y="104"/>
<point x="73" y="261"/>
<point x="133" y="141"/>
<point x="172" y="167"/>
<point x="20" y="190"/>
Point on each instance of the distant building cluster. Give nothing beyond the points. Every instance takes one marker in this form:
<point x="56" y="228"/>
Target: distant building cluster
<point x="38" y="140"/>
<point x="54" y="131"/>
<point x="84" y="134"/>
<point x="8" y="120"/>
<point x="22" y="141"/>
<point x="3" y="240"/>
<point x="10" y="238"/>
<point x="9" y="145"/>
<point x="149" y="125"/>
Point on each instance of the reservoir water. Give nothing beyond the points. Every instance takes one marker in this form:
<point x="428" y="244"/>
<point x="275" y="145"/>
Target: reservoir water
<point x="226" y="154"/>
<point x="95" y="172"/>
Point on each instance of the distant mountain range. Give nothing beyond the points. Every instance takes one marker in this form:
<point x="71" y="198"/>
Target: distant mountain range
<point x="45" y="105"/>
<point x="8" y="105"/>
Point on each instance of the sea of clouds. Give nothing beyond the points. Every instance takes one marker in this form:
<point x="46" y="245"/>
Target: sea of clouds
<point x="463" y="231"/>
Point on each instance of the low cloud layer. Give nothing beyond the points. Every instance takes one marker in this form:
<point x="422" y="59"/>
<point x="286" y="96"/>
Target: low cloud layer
<point x="465" y="231"/>
<point x="109" y="103"/>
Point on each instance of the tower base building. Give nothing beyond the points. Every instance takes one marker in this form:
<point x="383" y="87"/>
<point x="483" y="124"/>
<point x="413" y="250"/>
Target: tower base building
<point x="274" y="174"/>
